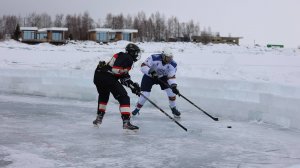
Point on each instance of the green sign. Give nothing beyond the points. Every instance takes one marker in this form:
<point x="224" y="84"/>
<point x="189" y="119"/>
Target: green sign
<point x="275" y="45"/>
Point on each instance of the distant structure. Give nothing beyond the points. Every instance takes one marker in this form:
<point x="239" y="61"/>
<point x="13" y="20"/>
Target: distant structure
<point x="275" y="45"/>
<point x="206" y="38"/>
<point x="33" y="35"/>
<point x="179" y="39"/>
<point x="106" y="35"/>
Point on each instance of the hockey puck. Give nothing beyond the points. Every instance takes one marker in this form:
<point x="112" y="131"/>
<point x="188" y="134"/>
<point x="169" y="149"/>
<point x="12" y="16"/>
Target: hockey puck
<point x="228" y="126"/>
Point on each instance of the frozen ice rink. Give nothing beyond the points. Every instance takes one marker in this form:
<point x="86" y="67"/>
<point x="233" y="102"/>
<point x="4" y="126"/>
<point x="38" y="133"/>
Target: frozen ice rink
<point x="48" y="103"/>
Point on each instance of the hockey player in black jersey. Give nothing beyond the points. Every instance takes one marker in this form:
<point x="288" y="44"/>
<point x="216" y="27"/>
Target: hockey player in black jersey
<point x="109" y="78"/>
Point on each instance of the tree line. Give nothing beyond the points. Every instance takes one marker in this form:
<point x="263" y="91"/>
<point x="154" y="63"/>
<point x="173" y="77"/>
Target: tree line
<point x="155" y="27"/>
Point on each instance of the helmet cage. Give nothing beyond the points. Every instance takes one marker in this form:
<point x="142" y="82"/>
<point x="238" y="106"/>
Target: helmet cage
<point x="135" y="54"/>
<point x="134" y="51"/>
<point x="167" y="56"/>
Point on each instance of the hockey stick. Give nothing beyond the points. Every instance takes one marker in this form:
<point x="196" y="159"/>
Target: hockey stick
<point x="180" y="95"/>
<point x="140" y="94"/>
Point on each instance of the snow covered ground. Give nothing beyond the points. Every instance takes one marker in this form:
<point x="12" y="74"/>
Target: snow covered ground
<point x="48" y="101"/>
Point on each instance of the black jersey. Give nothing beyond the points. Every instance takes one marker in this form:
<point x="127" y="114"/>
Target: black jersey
<point x="120" y="64"/>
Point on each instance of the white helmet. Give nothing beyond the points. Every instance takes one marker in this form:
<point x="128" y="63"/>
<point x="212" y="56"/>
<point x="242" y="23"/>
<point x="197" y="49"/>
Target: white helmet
<point x="167" y="52"/>
<point x="167" y="55"/>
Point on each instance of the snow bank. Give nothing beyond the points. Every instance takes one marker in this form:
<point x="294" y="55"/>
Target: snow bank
<point x="55" y="83"/>
<point x="236" y="100"/>
<point x="249" y="101"/>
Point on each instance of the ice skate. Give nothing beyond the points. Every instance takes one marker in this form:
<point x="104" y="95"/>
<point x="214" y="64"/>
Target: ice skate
<point x="127" y="125"/>
<point x="175" y="112"/>
<point x="135" y="112"/>
<point x="98" y="119"/>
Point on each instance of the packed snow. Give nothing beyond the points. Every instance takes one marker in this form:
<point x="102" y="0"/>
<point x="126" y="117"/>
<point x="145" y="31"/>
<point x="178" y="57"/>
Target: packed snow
<point x="48" y="102"/>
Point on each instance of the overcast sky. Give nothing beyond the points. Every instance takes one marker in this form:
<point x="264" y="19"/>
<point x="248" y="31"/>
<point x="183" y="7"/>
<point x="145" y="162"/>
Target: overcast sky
<point x="260" y="21"/>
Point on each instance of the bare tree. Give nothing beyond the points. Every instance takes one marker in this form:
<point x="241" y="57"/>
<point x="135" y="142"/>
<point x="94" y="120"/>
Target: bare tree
<point x="109" y="21"/>
<point x="128" y="23"/>
<point x="183" y="33"/>
<point x="138" y="24"/>
<point x="205" y="36"/>
<point x="58" y="22"/>
<point x="86" y="24"/>
<point x="196" y="30"/>
<point x="172" y="27"/>
<point x="159" y="23"/>
<point x="68" y="24"/>
<point x="72" y="23"/>
<point x="34" y="20"/>
<point x="10" y="23"/>
<point x="190" y="28"/>
<point x="98" y="23"/>
<point x="149" y="27"/>
<point x="46" y="20"/>
<point x="169" y="28"/>
<point x="118" y="22"/>
<point x="79" y="25"/>
<point x="1" y="28"/>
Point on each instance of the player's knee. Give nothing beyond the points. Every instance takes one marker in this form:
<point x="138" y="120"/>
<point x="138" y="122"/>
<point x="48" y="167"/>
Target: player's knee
<point x="172" y="98"/>
<point x="124" y="99"/>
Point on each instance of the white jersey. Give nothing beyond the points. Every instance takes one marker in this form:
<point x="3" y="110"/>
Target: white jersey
<point x="155" y="62"/>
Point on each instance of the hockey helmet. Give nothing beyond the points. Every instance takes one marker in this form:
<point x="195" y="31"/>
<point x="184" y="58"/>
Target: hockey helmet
<point x="134" y="51"/>
<point x="167" y="55"/>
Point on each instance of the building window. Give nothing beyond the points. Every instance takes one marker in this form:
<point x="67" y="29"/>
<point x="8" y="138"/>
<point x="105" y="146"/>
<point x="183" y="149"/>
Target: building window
<point x="41" y="36"/>
<point x="28" y="35"/>
<point x="56" y="36"/>
<point x="112" y="36"/>
<point x="102" y="36"/>
<point x="126" y="36"/>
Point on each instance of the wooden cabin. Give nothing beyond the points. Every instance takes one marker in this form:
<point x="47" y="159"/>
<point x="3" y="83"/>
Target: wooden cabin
<point x="106" y="35"/>
<point x="126" y="34"/>
<point x="28" y="34"/>
<point x="54" y="35"/>
<point x="101" y="35"/>
<point x="216" y="39"/>
<point x="34" y="35"/>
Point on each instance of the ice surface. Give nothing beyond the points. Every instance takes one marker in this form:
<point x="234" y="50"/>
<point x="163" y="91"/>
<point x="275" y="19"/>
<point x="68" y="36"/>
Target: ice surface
<point x="44" y="132"/>
<point x="48" y="101"/>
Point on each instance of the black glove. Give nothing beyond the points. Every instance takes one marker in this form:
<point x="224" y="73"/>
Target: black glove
<point x="126" y="81"/>
<point x="135" y="88"/>
<point x="101" y="64"/>
<point x="174" y="88"/>
<point x="153" y="73"/>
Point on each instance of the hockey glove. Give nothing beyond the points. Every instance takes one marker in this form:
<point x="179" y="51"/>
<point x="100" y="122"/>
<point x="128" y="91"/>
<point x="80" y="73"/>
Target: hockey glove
<point x="153" y="74"/>
<point x="174" y="88"/>
<point x="101" y="64"/>
<point x="126" y="81"/>
<point x="135" y="88"/>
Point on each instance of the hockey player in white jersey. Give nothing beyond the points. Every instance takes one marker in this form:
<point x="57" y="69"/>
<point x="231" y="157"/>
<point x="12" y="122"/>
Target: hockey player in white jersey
<point x="163" y="67"/>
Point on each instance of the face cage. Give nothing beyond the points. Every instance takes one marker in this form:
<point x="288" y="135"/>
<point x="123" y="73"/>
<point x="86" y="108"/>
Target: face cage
<point x="135" y="54"/>
<point x="138" y="55"/>
<point x="167" y="59"/>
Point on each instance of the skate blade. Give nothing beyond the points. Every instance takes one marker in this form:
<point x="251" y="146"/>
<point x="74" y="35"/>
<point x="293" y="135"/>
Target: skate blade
<point x="128" y="131"/>
<point x="135" y="115"/>
<point x="96" y="125"/>
<point x="176" y="117"/>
